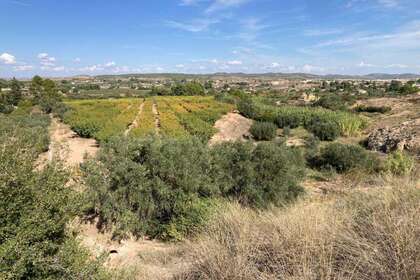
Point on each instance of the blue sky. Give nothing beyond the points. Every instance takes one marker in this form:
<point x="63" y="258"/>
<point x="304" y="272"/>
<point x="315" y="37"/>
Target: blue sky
<point x="63" y="38"/>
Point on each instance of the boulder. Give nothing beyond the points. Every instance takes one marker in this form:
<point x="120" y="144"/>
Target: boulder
<point x="401" y="137"/>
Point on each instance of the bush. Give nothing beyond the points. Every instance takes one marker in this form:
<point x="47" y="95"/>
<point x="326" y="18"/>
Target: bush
<point x="399" y="163"/>
<point x="258" y="176"/>
<point x="263" y="130"/>
<point x="166" y="188"/>
<point x="333" y="102"/>
<point x="247" y="108"/>
<point x="324" y="129"/>
<point x="373" y="109"/>
<point x="86" y="129"/>
<point x="35" y="208"/>
<point x="343" y="158"/>
<point x="288" y="120"/>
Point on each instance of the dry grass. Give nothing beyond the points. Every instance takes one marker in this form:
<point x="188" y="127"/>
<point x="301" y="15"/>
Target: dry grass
<point x="371" y="234"/>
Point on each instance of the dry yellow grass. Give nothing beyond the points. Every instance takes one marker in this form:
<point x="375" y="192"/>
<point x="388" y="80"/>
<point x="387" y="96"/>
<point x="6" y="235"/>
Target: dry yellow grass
<point x="372" y="234"/>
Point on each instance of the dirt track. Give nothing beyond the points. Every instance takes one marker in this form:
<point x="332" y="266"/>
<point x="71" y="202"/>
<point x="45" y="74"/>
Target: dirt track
<point x="67" y="146"/>
<point x="135" y="122"/>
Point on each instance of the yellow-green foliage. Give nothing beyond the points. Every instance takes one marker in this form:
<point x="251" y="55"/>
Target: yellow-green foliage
<point x="293" y="116"/>
<point x="101" y="119"/>
<point x="399" y="163"/>
<point x="169" y="123"/>
<point x="146" y="122"/>
<point x="179" y="116"/>
<point x="196" y="115"/>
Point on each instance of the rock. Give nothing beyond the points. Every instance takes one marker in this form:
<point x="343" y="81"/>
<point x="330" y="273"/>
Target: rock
<point x="400" y="137"/>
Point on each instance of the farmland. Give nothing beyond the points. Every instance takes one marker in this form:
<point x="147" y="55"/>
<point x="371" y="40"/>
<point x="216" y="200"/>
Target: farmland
<point x="173" y="117"/>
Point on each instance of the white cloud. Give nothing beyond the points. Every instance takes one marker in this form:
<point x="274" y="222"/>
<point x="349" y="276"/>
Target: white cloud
<point x="7" y="58"/>
<point x="225" y="4"/>
<point x="77" y="60"/>
<point x="363" y="64"/>
<point x="321" y="32"/>
<point x="234" y="62"/>
<point x="389" y="3"/>
<point x="307" y="68"/>
<point x="92" y="68"/>
<point x="197" y="25"/>
<point x="58" y="68"/>
<point x="23" y="68"/>
<point x="190" y="2"/>
<point x="402" y="66"/>
<point x="275" y="65"/>
<point x="46" y="60"/>
<point x="180" y="66"/>
<point x="110" y="64"/>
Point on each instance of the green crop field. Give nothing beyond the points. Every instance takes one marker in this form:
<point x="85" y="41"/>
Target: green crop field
<point x="177" y="116"/>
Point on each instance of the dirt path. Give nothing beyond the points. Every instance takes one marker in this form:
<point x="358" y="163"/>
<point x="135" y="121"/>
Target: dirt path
<point x="231" y="127"/>
<point x="149" y="259"/>
<point x="135" y="122"/>
<point x="67" y="146"/>
<point x="157" y="120"/>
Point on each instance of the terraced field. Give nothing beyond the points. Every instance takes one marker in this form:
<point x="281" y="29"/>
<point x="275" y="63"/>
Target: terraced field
<point x="170" y="116"/>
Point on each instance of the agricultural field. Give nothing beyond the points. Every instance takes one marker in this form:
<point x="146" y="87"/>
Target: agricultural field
<point x="101" y="119"/>
<point x="168" y="116"/>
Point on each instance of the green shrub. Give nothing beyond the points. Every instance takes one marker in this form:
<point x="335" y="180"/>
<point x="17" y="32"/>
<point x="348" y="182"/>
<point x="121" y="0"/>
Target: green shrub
<point x="247" y="108"/>
<point x="258" y="176"/>
<point x="263" y="130"/>
<point x="324" y="129"/>
<point x="289" y="120"/>
<point x="399" y="163"/>
<point x="86" y="129"/>
<point x="333" y="102"/>
<point x="35" y="208"/>
<point x="373" y="109"/>
<point x="167" y="188"/>
<point x="343" y="158"/>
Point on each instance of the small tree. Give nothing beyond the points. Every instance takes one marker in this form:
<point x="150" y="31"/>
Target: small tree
<point x="15" y="95"/>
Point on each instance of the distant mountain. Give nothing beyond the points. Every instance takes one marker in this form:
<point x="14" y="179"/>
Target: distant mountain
<point x="292" y="76"/>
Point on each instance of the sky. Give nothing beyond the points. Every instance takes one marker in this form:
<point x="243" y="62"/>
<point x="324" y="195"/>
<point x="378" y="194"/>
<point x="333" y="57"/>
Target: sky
<point x="74" y="37"/>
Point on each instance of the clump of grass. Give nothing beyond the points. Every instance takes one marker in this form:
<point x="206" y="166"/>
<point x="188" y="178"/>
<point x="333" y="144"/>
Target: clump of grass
<point x="372" y="235"/>
<point x="399" y="163"/>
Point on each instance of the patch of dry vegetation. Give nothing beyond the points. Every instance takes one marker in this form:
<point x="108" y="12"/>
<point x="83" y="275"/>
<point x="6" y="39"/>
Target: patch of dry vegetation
<point x="363" y="235"/>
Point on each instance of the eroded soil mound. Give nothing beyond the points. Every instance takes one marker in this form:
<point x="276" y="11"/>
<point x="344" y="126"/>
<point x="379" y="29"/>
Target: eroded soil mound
<point x="231" y="127"/>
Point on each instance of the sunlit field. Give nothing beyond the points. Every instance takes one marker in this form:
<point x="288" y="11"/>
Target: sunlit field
<point x="173" y="116"/>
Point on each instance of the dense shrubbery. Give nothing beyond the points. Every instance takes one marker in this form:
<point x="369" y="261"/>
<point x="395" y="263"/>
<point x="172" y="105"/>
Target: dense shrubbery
<point x="31" y="129"/>
<point x="324" y="129"/>
<point x="334" y="102"/>
<point x="263" y="130"/>
<point x="343" y="158"/>
<point x="373" y="109"/>
<point x="248" y="108"/>
<point x="35" y="207"/>
<point x="166" y="188"/>
<point x="291" y="116"/>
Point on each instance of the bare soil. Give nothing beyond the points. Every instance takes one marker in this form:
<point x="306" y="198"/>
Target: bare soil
<point x="147" y="259"/>
<point x="67" y="146"/>
<point x="231" y="127"/>
<point x="157" y="120"/>
<point x="402" y="109"/>
<point x="135" y="122"/>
